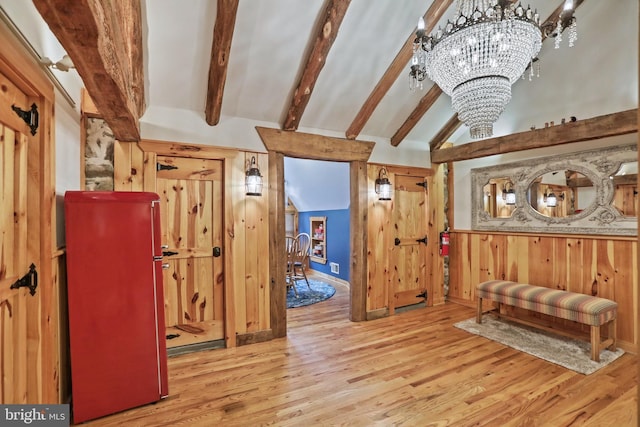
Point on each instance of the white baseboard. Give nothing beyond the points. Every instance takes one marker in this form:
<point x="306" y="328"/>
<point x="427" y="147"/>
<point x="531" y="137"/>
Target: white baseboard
<point x="328" y="277"/>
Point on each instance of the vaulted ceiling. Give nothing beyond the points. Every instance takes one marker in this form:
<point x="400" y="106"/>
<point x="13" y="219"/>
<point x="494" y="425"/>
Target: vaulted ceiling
<point x="334" y="66"/>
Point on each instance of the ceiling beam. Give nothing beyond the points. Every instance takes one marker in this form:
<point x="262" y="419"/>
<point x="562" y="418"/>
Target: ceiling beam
<point x="315" y="147"/>
<point x="220" y="48"/>
<point x="326" y="35"/>
<point x="425" y="103"/>
<point x="431" y="18"/>
<point x="105" y="45"/>
<point x="609" y="125"/>
<point x="453" y="124"/>
<point x="445" y="133"/>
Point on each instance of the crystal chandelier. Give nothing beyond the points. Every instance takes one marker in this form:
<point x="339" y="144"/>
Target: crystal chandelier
<point x="478" y="56"/>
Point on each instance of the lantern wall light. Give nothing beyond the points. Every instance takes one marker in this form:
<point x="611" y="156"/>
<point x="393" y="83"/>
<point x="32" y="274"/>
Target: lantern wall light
<point x="551" y="199"/>
<point x="383" y="185"/>
<point x="509" y="195"/>
<point x="253" y="179"/>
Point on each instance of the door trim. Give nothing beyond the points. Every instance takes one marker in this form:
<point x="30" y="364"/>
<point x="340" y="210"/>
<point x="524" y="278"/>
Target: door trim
<point x="44" y="382"/>
<point x="316" y="147"/>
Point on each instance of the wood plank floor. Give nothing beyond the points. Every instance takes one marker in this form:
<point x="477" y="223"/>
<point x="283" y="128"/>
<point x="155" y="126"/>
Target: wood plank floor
<point x="413" y="369"/>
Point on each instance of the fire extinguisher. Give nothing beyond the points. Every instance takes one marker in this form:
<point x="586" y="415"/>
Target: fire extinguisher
<point x="444" y="242"/>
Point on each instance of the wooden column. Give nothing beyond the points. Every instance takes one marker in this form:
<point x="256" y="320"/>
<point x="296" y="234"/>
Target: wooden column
<point x="359" y="244"/>
<point x="278" y="305"/>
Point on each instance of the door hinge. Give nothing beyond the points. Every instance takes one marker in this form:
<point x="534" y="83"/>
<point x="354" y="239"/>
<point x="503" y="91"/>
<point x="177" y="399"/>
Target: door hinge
<point x="422" y="295"/>
<point x="161" y="167"/>
<point x="169" y="253"/>
<point x="423" y="240"/>
<point x="29" y="280"/>
<point x="30" y="117"/>
<point x="422" y="184"/>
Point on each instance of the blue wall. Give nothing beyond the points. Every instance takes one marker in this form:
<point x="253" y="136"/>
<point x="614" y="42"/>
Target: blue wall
<point x="337" y="233"/>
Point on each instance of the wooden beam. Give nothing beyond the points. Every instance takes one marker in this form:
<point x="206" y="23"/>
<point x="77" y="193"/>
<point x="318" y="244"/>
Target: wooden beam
<point x="425" y="103"/>
<point x="220" y="48"/>
<point x="431" y="18"/>
<point x="453" y="124"/>
<point x="315" y="147"/>
<point x="621" y="123"/>
<point x="277" y="269"/>
<point x="326" y="35"/>
<point x="105" y="45"/>
<point x="445" y="133"/>
<point x="358" y="214"/>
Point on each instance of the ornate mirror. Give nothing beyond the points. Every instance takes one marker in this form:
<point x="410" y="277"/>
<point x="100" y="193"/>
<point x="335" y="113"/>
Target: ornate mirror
<point x="625" y="189"/>
<point x="590" y="192"/>
<point x="561" y="193"/>
<point x="499" y="197"/>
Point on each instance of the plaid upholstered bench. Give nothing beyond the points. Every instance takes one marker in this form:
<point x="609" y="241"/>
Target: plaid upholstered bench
<point x="581" y="308"/>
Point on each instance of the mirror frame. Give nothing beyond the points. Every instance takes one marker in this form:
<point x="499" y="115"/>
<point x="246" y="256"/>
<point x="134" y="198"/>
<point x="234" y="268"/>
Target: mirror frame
<point x="599" y="218"/>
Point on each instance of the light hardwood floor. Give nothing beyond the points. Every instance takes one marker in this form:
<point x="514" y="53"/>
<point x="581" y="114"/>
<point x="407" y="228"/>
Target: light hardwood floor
<point x="413" y="369"/>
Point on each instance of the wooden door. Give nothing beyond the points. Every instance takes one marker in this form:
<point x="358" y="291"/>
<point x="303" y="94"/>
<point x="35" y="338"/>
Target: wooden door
<point x="409" y="254"/>
<point x="191" y="191"/>
<point x="14" y="262"/>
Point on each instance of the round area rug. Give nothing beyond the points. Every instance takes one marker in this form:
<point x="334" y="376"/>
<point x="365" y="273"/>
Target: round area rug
<point x="319" y="291"/>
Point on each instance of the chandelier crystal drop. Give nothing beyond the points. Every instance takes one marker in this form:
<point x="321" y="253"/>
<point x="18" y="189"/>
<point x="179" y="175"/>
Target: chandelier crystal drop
<point x="476" y="58"/>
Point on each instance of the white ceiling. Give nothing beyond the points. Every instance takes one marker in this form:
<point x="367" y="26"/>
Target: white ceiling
<point x="598" y="76"/>
<point x="271" y="38"/>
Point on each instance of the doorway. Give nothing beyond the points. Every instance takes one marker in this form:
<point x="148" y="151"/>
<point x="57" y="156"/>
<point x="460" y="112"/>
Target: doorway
<point x="317" y="147"/>
<point x="319" y="191"/>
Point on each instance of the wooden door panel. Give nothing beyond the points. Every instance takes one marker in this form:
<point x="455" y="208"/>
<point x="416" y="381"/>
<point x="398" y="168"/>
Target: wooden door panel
<point x="186" y="168"/>
<point x="191" y="297"/>
<point x="13" y="249"/>
<point x="191" y="213"/>
<point x="409" y="255"/>
<point x="11" y="95"/>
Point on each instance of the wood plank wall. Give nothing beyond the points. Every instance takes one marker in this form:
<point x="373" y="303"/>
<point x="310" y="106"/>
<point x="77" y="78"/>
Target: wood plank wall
<point x="246" y="240"/>
<point x="602" y="266"/>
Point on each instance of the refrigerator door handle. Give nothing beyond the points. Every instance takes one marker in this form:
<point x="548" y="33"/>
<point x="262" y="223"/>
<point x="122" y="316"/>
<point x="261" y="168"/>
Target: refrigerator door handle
<point x="157" y="257"/>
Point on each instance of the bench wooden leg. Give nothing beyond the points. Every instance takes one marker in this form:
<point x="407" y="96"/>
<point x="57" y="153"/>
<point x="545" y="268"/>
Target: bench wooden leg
<point x="479" y="312"/>
<point x="595" y="343"/>
<point x="612" y="335"/>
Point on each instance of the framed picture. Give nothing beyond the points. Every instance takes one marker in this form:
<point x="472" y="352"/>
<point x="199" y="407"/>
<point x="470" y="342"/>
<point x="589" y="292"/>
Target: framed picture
<point x="98" y="155"/>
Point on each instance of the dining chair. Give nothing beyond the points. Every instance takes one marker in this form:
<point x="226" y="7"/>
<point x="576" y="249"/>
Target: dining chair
<point x="299" y="266"/>
<point x="291" y="245"/>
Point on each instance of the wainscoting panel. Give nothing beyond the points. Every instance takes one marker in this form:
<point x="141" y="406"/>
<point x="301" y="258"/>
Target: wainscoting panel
<point x="600" y="266"/>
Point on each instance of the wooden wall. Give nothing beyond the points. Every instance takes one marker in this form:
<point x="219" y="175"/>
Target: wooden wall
<point x="602" y="266"/>
<point x="246" y="242"/>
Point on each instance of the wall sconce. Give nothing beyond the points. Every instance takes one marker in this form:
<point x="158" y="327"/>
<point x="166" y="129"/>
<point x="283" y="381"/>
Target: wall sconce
<point x="383" y="186"/>
<point x="508" y="195"/>
<point x="551" y="199"/>
<point x="511" y="197"/>
<point x="253" y="179"/>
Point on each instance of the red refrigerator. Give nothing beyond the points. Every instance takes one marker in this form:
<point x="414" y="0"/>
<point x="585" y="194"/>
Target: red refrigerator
<point x="115" y="301"/>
